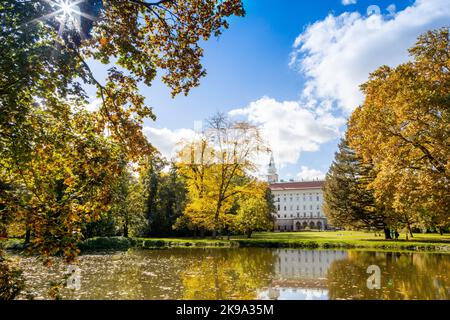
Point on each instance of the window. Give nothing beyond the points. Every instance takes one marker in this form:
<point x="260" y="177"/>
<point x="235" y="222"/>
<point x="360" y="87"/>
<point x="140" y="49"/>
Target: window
<point x="298" y="215"/>
<point x="310" y="198"/>
<point x="284" y="208"/>
<point x="318" y="207"/>
<point x="278" y="207"/>
<point x="318" y="198"/>
<point x="285" y="216"/>
<point x="291" y="199"/>
<point x="310" y="214"/>
<point x="304" y="214"/>
<point x="310" y="207"/>
<point x="292" y="215"/>
<point x="298" y="207"/>
<point x="304" y="207"/>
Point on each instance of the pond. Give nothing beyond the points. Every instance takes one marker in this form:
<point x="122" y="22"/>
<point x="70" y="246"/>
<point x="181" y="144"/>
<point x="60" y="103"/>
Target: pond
<point x="247" y="273"/>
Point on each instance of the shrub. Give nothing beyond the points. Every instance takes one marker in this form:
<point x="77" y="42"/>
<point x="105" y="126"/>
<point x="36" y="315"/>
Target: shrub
<point x="106" y="243"/>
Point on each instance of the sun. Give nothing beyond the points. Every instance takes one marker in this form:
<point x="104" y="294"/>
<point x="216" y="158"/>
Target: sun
<point x="66" y="7"/>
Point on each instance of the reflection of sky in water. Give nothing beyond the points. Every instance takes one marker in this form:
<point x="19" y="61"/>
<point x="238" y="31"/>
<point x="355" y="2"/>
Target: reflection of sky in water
<point x="293" y="294"/>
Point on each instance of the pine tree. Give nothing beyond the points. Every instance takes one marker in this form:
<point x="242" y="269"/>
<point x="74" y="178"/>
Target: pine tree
<point x="349" y="203"/>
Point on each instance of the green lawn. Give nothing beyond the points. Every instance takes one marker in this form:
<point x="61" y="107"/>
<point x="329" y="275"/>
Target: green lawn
<point x="350" y="236"/>
<point x="350" y="239"/>
<point x="339" y="239"/>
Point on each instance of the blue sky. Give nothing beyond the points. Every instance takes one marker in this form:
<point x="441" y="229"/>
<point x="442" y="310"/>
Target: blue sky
<point x="294" y="64"/>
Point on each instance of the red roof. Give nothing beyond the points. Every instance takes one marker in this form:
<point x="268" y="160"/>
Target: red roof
<point x="297" y="185"/>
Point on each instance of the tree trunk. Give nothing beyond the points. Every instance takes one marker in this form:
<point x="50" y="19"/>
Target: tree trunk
<point x="441" y="232"/>
<point x="195" y="232"/>
<point x="249" y="234"/>
<point x="214" y="234"/>
<point x="387" y="234"/>
<point x="410" y="231"/>
<point x="125" y="230"/>
<point x="27" y="235"/>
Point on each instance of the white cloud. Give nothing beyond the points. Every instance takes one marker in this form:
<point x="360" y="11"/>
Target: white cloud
<point x="290" y="128"/>
<point x="348" y="2"/>
<point x="308" y="174"/>
<point x="337" y="54"/>
<point x="167" y="140"/>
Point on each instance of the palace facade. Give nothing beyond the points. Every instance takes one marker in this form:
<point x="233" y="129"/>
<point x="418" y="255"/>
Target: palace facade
<point x="298" y="203"/>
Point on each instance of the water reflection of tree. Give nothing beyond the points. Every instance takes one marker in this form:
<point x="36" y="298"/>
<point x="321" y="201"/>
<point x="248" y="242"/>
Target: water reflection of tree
<point x="229" y="274"/>
<point x="161" y="274"/>
<point x="133" y="275"/>
<point x="403" y="276"/>
<point x="110" y="277"/>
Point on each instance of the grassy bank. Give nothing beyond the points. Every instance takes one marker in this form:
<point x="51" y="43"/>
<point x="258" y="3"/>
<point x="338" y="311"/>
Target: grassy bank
<point x="309" y="240"/>
<point x="347" y="240"/>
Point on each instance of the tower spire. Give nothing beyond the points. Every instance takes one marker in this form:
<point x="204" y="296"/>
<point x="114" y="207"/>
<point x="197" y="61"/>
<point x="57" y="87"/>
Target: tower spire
<point x="272" y="176"/>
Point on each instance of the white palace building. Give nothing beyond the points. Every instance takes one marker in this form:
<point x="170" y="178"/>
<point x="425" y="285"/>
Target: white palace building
<point x="298" y="203"/>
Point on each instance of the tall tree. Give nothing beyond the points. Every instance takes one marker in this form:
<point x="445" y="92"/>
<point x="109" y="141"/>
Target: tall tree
<point x="218" y="168"/>
<point x="128" y="204"/>
<point x="348" y="200"/>
<point x="403" y="128"/>
<point x="151" y="184"/>
<point x="172" y="199"/>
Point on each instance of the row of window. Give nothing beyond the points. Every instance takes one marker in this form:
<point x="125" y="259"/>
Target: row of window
<point x="311" y="194"/>
<point x="298" y="207"/>
<point x="298" y="199"/>
<point x="298" y="215"/>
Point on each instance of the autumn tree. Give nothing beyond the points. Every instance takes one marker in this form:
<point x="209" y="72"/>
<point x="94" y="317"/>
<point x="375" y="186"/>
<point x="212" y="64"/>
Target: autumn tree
<point x="65" y="183"/>
<point x="218" y="169"/>
<point x="255" y="210"/>
<point x="45" y="48"/>
<point x="57" y="162"/>
<point x="403" y="128"/>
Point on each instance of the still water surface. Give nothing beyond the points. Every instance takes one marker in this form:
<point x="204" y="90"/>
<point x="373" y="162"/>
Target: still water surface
<point x="247" y="273"/>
